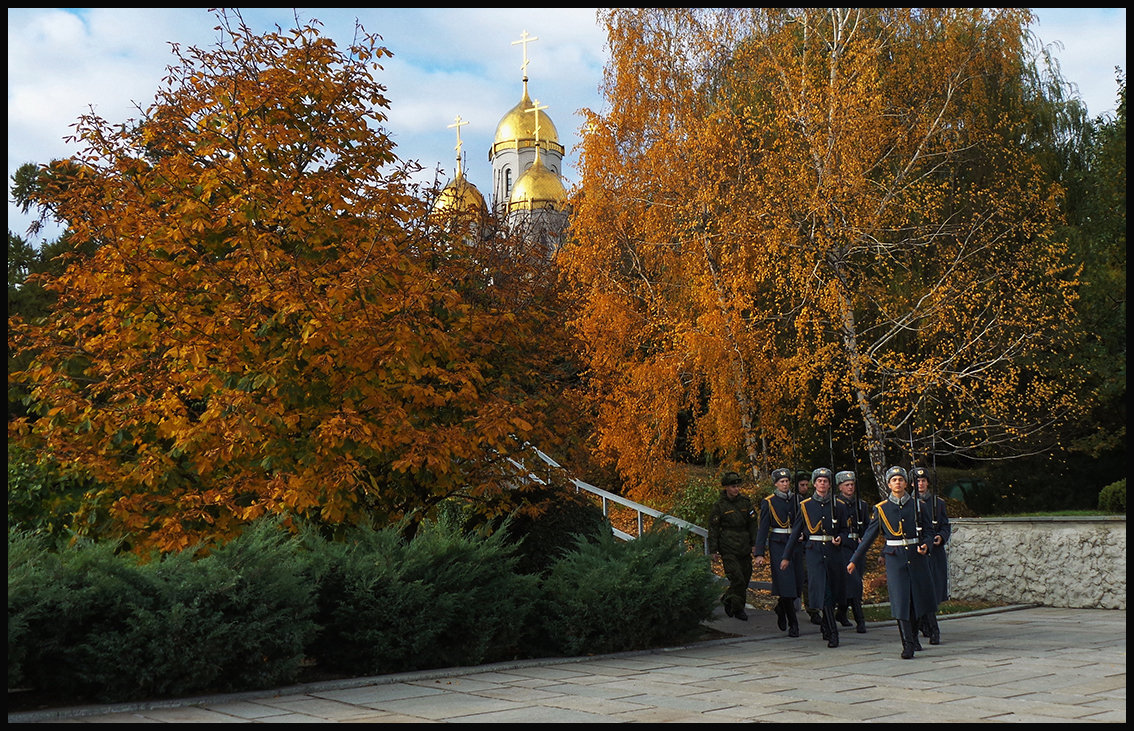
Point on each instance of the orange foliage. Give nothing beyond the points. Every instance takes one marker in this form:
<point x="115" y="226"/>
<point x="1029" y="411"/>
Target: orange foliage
<point x="787" y="214"/>
<point x="268" y="324"/>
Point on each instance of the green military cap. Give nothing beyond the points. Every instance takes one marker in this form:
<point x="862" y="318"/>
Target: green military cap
<point x="731" y="478"/>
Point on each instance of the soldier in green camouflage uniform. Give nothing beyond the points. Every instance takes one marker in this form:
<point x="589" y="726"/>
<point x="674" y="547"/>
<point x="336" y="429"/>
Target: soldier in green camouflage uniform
<point x="732" y="534"/>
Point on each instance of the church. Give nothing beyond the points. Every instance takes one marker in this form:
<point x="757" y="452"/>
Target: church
<point x="528" y="195"/>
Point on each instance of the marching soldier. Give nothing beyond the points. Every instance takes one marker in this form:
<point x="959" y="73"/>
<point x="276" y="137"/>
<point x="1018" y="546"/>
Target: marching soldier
<point x="858" y="512"/>
<point x="822" y="520"/>
<point x="898" y="521"/>
<point x="802" y="485"/>
<point x="802" y="491"/>
<point x="732" y="535"/>
<point x="934" y="505"/>
<point x="777" y="515"/>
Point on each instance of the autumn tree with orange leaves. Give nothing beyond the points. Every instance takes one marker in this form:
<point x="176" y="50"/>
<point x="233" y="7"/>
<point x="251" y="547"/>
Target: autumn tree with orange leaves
<point x="270" y="324"/>
<point x="796" y="216"/>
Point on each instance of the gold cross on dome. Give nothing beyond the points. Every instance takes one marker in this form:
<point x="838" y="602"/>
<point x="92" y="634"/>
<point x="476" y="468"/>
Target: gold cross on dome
<point x="525" y="39"/>
<point x="536" y="109"/>
<point x="458" y="123"/>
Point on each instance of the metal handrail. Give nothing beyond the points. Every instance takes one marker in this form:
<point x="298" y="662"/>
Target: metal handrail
<point x="609" y="497"/>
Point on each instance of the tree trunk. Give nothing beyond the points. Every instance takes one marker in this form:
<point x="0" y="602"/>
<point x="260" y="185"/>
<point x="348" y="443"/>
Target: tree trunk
<point x="875" y="437"/>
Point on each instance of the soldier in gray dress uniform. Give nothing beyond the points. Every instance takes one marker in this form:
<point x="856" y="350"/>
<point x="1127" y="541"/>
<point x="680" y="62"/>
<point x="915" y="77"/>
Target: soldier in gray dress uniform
<point x="938" y="559"/>
<point x="802" y="492"/>
<point x="858" y="515"/>
<point x="897" y="520"/>
<point x="822" y="521"/>
<point x="777" y="515"/>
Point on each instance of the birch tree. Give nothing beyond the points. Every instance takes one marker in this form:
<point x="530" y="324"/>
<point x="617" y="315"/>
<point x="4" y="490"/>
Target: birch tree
<point x="787" y="212"/>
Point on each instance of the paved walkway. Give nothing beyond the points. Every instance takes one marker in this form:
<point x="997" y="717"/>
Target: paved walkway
<point x="1033" y="664"/>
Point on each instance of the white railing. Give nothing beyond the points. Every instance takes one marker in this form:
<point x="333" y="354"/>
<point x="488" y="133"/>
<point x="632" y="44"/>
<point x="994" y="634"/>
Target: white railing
<point x="609" y="497"/>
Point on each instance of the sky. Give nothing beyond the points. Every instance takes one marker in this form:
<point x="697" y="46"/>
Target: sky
<point x="62" y="62"/>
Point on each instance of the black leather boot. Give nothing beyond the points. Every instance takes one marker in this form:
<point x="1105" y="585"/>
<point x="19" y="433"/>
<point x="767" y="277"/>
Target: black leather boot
<point x="934" y="629"/>
<point x="832" y="627"/>
<point x="781" y="614"/>
<point x="860" y="620"/>
<point x="792" y="620"/>
<point x="841" y="614"/>
<point x="906" y="631"/>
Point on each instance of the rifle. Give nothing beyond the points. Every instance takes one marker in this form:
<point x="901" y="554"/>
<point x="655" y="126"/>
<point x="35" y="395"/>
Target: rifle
<point x="916" y="497"/>
<point x="831" y="448"/>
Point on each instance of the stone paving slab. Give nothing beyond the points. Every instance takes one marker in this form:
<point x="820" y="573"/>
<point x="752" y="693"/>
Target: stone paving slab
<point x="1032" y="665"/>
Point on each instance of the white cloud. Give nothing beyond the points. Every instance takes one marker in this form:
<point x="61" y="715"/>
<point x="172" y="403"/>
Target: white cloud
<point x="448" y="61"/>
<point x="1088" y="43"/>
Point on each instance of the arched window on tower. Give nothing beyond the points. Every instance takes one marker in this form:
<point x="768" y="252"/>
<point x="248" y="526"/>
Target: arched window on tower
<point x="507" y="182"/>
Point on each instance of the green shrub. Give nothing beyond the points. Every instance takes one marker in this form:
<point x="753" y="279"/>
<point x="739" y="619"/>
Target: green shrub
<point x="1112" y="498"/>
<point x="30" y="567"/>
<point x="243" y="614"/>
<point x="72" y="608"/>
<point x="548" y="527"/>
<point x="612" y="596"/>
<point x="446" y="598"/>
<point x="40" y="500"/>
<point x="91" y="623"/>
<point x="87" y="622"/>
<point x="696" y="500"/>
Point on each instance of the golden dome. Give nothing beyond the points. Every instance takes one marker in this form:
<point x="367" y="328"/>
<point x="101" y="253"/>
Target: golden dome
<point x="518" y="129"/>
<point x="460" y="197"/>
<point x="538" y="187"/>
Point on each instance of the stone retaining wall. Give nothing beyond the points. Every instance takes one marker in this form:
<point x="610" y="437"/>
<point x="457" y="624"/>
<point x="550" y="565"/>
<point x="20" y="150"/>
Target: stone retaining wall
<point x="1057" y="562"/>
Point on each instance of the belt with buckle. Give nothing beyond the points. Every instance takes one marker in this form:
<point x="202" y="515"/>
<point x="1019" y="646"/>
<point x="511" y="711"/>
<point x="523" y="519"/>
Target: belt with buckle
<point x="823" y="539"/>
<point x="903" y="542"/>
<point x="781" y="530"/>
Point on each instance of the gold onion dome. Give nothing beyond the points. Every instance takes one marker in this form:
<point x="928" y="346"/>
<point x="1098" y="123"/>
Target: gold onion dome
<point x="538" y="187"/>
<point x="460" y="197"/>
<point x="518" y="128"/>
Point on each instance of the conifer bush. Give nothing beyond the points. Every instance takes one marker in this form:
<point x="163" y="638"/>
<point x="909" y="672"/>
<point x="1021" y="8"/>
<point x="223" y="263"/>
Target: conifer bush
<point x="73" y="608"/>
<point x="88" y="622"/>
<point x="94" y="623"/>
<point x="30" y="568"/>
<point x="244" y="613"/>
<point x="446" y="598"/>
<point x="612" y="596"/>
<point x="549" y="528"/>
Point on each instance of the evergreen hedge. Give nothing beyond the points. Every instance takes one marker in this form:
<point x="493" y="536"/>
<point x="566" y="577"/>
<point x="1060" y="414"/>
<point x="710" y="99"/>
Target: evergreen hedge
<point x="87" y="622"/>
<point x="443" y="599"/>
<point x="92" y="622"/>
<point x="611" y="595"/>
